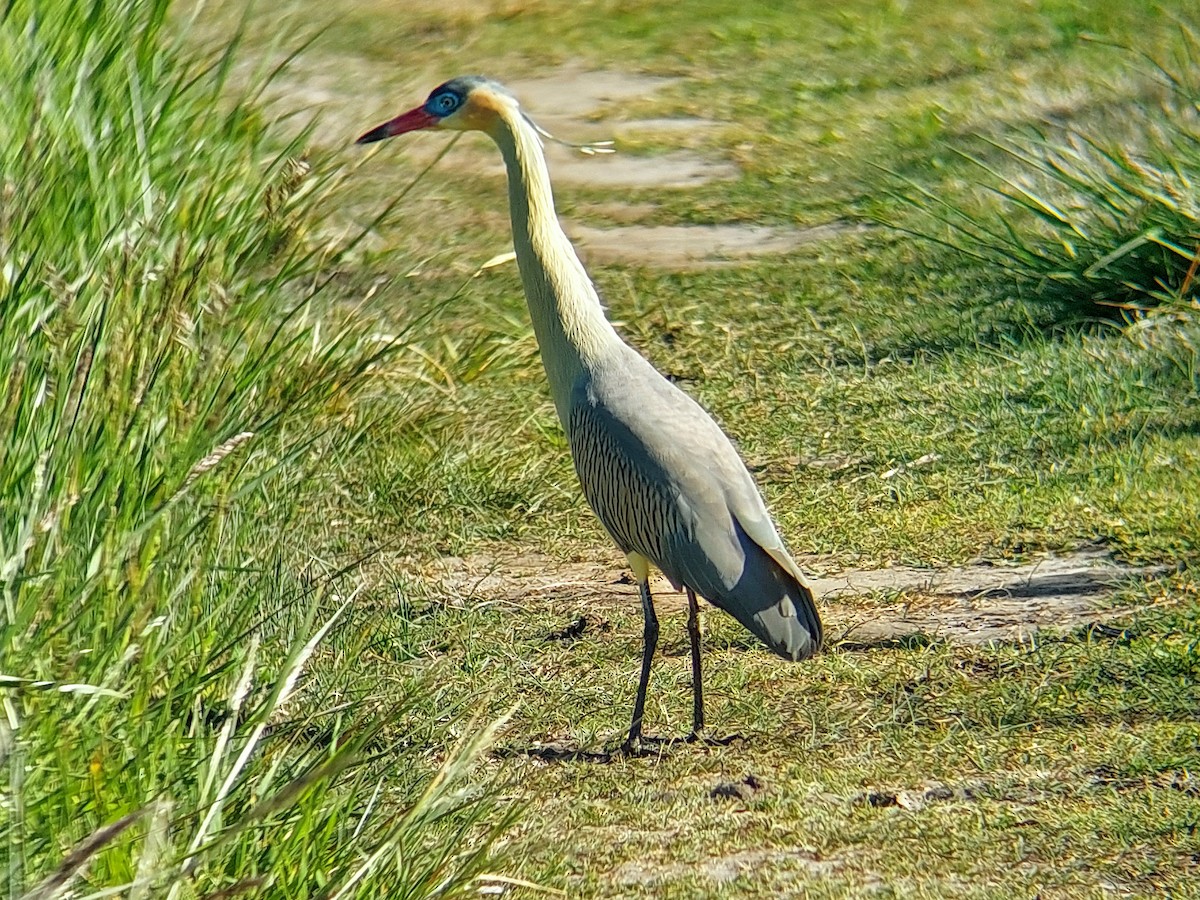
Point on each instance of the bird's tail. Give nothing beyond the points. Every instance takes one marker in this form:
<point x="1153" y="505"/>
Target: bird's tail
<point x="775" y="604"/>
<point x="790" y="627"/>
<point x="803" y="624"/>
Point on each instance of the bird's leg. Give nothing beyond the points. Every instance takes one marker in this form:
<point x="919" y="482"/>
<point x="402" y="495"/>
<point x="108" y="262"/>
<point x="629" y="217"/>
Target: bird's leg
<point x="649" y="642"/>
<point x="693" y="627"/>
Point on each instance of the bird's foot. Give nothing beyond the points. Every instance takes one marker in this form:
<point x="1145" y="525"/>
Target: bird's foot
<point x="633" y="743"/>
<point x="701" y="736"/>
<point x="643" y="745"/>
<point x="633" y="746"/>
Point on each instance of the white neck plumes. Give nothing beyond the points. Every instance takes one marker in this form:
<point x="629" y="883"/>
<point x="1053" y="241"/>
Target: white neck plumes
<point x="572" y="332"/>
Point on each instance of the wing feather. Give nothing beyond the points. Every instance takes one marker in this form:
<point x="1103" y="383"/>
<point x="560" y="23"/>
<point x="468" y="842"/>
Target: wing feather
<point x="667" y="484"/>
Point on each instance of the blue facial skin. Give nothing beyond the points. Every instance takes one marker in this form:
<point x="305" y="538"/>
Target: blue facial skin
<point x="448" y="97"/>
<point x="443" y="102"/>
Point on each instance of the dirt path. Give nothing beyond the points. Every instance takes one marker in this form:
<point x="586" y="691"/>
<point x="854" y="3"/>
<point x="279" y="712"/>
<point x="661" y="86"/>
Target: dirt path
<point x="571" y="100"/>
<point x="974" y="604"/>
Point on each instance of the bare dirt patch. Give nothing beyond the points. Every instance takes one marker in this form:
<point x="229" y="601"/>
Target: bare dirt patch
<point x="667" y="125"/>
<point x="982" y="602"/>
<point x="974" y="604"/>
<point x="694" y="246"/>
<point x="674" y="170"/>
<point x="575" y="92"/>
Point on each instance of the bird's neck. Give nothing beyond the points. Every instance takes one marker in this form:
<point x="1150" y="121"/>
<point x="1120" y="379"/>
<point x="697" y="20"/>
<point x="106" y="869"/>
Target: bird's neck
<point x="572" y="331"/>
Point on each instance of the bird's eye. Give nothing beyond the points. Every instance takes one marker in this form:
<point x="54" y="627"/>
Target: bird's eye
<point x="444" y="104"/>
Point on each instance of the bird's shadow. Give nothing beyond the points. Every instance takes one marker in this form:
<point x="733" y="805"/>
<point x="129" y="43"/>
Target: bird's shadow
<point x="647" y="747"/>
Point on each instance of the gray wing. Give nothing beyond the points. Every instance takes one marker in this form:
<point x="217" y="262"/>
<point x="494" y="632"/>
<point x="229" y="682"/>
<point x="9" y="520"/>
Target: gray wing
<point x="666" y="483"/>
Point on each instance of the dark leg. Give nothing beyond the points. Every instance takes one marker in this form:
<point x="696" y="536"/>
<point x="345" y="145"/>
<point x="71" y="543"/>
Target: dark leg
<point x="697" y="684"/>
<point x="650" y="641"/>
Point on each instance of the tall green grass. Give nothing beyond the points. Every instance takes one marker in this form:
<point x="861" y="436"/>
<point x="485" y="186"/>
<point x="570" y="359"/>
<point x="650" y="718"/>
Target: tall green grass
<point x="169" y="372"/>
<point x="1084" y="222"/>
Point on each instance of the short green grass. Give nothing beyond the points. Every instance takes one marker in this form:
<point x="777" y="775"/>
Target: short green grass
<point x="925" y="771"/>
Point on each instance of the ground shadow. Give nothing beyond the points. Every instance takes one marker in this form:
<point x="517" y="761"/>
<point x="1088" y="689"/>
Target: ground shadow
<point x="650" y="746"/>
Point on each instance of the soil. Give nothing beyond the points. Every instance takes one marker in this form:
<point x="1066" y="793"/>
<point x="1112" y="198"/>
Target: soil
<point x="573" y="92"/>
<point x="694" y="246"/>
<point x="862" y="608"/>
<point x="674" y="170"/>
<point x="724" y="869"/>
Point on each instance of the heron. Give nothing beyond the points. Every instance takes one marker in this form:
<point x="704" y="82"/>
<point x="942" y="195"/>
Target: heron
<point x="657" y="470"/>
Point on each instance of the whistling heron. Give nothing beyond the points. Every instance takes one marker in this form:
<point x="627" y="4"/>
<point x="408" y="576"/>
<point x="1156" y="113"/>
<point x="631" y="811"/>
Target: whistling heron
<point x="657" y="470"/>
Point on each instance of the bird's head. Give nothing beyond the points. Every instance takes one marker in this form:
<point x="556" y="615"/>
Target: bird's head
<point x="468" y="103"/>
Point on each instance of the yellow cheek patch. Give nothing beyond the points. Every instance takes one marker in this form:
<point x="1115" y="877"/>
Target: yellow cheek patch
<point x="482" y="110"/>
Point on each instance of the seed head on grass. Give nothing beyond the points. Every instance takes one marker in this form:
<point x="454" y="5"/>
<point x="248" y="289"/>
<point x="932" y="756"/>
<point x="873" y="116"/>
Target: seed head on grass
<point x="212" y="460"/>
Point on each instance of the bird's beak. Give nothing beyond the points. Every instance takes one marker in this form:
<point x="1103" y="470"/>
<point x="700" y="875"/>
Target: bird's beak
<point x="413" y="120"/>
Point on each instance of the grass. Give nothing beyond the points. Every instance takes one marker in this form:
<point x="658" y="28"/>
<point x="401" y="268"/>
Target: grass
<point x="923" y="771"/>
<point x="172" y="380"/>
<point x="1059" y="766"/>
<point x="1091" y="224"/>
<point x="920" y="768"/>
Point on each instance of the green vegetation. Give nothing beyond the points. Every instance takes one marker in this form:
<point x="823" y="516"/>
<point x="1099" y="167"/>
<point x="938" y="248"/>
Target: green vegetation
<point x="1096" y="224"/>
<point x="170" y="385"/>
<point x="900" y="401"/>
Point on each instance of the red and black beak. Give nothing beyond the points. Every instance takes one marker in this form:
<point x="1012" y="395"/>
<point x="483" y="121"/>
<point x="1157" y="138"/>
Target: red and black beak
<point x="413" y="120"/>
